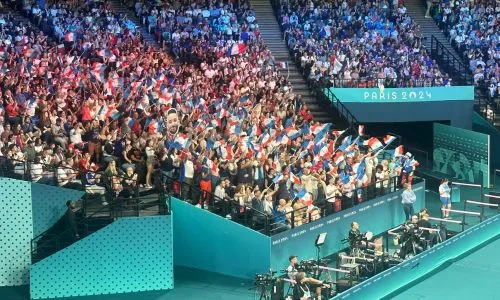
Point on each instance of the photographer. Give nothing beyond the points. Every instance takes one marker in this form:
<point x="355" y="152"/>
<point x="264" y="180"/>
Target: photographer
<point x="301" y="290"/>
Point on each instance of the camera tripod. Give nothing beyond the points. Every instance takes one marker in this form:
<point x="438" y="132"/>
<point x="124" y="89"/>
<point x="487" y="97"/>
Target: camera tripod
<point x="262" y="291"/>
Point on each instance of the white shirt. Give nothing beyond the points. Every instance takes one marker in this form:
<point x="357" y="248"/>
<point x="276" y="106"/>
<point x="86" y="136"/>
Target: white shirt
<point x="36" y="172"/>
<point x="188" y="169"/>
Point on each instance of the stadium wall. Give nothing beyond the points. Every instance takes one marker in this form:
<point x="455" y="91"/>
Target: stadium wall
<point x="206" y="241"/>
<point x="129" y="255"/>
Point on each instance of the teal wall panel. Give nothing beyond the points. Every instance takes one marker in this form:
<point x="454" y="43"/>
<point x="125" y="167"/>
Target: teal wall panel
<point x="377" y="215"/>
<point x="481" y="125"/>
<point x="49" y="205"/>
<point x="16" y="230"/>
<point x="407" y="272"/>
<point x="209" y="242"/>
<point x="129" y="255"/>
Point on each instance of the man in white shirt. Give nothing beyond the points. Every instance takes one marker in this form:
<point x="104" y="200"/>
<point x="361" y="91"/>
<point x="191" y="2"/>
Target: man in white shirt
<point x="188" y="177"/>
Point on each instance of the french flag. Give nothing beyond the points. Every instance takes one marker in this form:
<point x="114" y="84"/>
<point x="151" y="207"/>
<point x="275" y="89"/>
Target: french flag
<point x="69" y="37"/>
<point x="339" y="157"/>
<point x="234" y="127"/>
<point x="226" y="152"/>
<point x="292" y="133"/>
<point x="398" y="151"/>
<point x="181" y="141"/>
<point x="302" y="154"/>
<point x="373" y="143"/>
<point x="338" y="133"/>
<point x="294" y="178"/>
<point x="361" y="130"/>
<point x="321" y="128"/>
<point x="278" y="178"/>
<point x="238" y="48"/>
<point x="254" y="130"/>
<point x="114" y="114"/>
<point x="307" y="144"/>
<point x="104" y="53"/>
<point x="265" y="139"/>
<point x="283" y="139"/>
<point x="301" y="195"/>
<point x="103" y="111"/>
<point x="389" y="139"/>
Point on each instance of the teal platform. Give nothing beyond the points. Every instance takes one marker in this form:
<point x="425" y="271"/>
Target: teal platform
<point x="129" y="255"/>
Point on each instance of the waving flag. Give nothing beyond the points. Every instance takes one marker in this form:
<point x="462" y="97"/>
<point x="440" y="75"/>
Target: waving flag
<point x="294" y="179"/>
<point x="265" y="139"/>
<point x="181" y="141"/>
<point x="283" y="139"/>
<point x="316" y="129"/>
<point x="338" y="133"/>
<point x="69" y="37"/>
<point x="292" y="133"/>
<point x="114" y="114"/>
<point x="389" y="139"/>
<point x="373" y="143"/>
<point x="345" y="143"/>
<point x="283" y="65"/>
<point x="305" y="130"/>
<point x="360" y="170"/>
<point x="278" y="178"/>
<point x="226" y="152"/>
<point x="398" y="151"/>
<point x="301" y="194"/>
<point x="339" y="158"/>
<point x="302" y="154"/>
<point x="238" y="48"/>
<point x="234" y="127"/>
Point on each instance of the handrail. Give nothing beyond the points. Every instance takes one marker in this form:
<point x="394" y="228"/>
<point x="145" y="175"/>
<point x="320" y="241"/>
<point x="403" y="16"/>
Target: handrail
<point x="269" y="220"/>
<point x="447" y="60"/>
<point x="326" y="95"/>
<point x="387" y="82"/>
<point x="112" y="208"/>
<point x="26" y="172"/>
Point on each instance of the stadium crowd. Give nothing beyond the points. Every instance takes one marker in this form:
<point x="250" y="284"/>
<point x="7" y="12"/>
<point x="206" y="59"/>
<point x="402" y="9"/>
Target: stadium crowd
<point x="86" y="97"/>
<point x="357" y="44"/>
<point x="473" y="29"/>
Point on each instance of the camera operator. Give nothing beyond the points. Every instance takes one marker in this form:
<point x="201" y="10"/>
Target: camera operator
<point x="356" y="239"/>
<point x="301" y="290"/>
<point x="410" y="239"/>
<point x="429" y="236"/>
<point x="291" y="270"/>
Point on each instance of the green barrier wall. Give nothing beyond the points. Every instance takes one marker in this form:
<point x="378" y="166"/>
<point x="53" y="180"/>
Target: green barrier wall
<point x="16" y="231"/>
<point x="481" y="125"/>
<point x="377" y="216"/>
<point x="397" y="277"/>
<point x="206" y="241"/>
<point x="462" y="155"/>
<point x="129" y="255"/>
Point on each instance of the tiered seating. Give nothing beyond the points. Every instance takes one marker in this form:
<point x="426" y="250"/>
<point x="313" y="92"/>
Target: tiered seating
<point x="357" y="44"/>
<point x="228" y="127"/>
<point x="473" y="31"/>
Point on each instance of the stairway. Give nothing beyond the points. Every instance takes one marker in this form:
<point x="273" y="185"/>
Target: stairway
<point x="119" y="8"/>
<point x="416" y="10"/>
<point x="272" y="35"/>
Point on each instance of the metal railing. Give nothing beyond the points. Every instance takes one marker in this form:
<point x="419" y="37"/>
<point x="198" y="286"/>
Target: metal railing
<point x="60" y="237"/>
<point x="22" y="170"/>
<point x="328" y="97"/>
<point x="386" y="82"/>
<point x="278" y="222"/>
<point x="451" y="64"/>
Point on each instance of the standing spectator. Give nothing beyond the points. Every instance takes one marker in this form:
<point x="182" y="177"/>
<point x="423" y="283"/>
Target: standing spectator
<point x="407" y="199"/>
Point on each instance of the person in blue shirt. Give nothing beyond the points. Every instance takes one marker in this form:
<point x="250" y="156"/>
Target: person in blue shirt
<point x="407" y="199"/>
